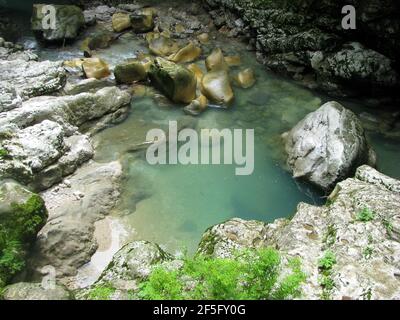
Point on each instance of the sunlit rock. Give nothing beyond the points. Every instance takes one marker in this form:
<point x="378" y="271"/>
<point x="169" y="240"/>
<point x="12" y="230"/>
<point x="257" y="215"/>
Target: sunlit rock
<point x="130" y="71"/>
<point x="160" y="45"/>
<point x="187" y="54"/>
<point x="143" y="21"/>
<point x="197" y="106"/>
<point x="175" y="81"/>
<point x="197" y="72"/>
<point x="69" y="21"/>
<point x="179" y="28"/>
<point x="216" y="61"/>
<point x="121" y="21"/>
<point x="203" y="38"/>
<point x="327" y="145"/>
<point x="95" y="68"/>
<point x="74" y="63"/>
<point x="217" y="88"/>
<point x="245" y="78"/>
<point x="233" y="61"/>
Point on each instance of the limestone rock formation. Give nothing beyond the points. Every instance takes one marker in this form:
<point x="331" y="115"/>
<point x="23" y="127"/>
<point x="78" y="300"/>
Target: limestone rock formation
<point x="327" y="145"/>
<point x="68" y="22"/>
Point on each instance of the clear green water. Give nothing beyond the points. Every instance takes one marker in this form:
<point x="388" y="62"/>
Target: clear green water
<point x="173" y="204"/>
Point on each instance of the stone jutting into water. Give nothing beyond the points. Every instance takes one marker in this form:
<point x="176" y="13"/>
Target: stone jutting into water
<point x="366" y="251"/>
<point x="188" y="53"/>
<point x="327" y="145"/>
<point x="305" y="41"/>
<point x="121" y="21"/>
<point x="175" y="81"/>
<point x="40" y="152"/>
<point x="130" y="71"/>
<point x="69" y="20"/>
<point x="215" y="85"/>
<point x="95" y="68"/>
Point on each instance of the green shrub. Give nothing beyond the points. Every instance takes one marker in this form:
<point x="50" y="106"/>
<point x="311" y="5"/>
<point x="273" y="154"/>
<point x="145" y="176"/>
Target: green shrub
<point x="3" y="154"/>
<point x="365" y="215"/>
<point x="327" y="261"/>
<point x="18" y="228"/>
<point x="251" y="275"/>
<point x="101" y="292"/>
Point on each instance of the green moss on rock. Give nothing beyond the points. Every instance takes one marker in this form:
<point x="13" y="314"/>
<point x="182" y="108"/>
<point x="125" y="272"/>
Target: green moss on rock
<point x="22" y="215"/>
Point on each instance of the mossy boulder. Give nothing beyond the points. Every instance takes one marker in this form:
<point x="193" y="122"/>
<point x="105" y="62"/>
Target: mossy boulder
<point x="130" y="71"/>
<point x="121" y="21"/>
<point x="22" y="215"/>
<point x="142" y="21"/>
<point x="69" y="21"/>
<point x="175" y="81"/>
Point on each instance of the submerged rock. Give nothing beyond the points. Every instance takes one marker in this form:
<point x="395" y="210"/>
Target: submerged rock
<point x="188" y="53"/>
<point x="203" y="38"/>
<point x="175" y="81"/>
<point x="22" y="215"/>
<point x="35" y="291"/>
<point x="197" y="106"/>
<point x="216" y="61"/>
<point x="216" y="87"/>
<point x="245" y="78"/>
<point x="69" y="20"/>
<point x="233" y="61"/>
<point x="95" y="68"/>
<point x="130" y="71"/>
<point x="327" y="145"/>
<point x="161" y="45"/>
<point x="98" y="40"/>
<point x="121" y="21"/>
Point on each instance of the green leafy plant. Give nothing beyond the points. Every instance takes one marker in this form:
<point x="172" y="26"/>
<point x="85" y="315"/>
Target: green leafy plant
<point x="365" y="215"/>
<point x="18" y="227"/>
<point x="367" y="252"/>
<point x="388" y="226"/>
<point x="325" y="265"/>
<point x="327" y="261"/>
<point x="249" y="275"/>
<point x="330" y="236"/>
<point x="101" y="292"/>
<point x="3" y="153"/>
